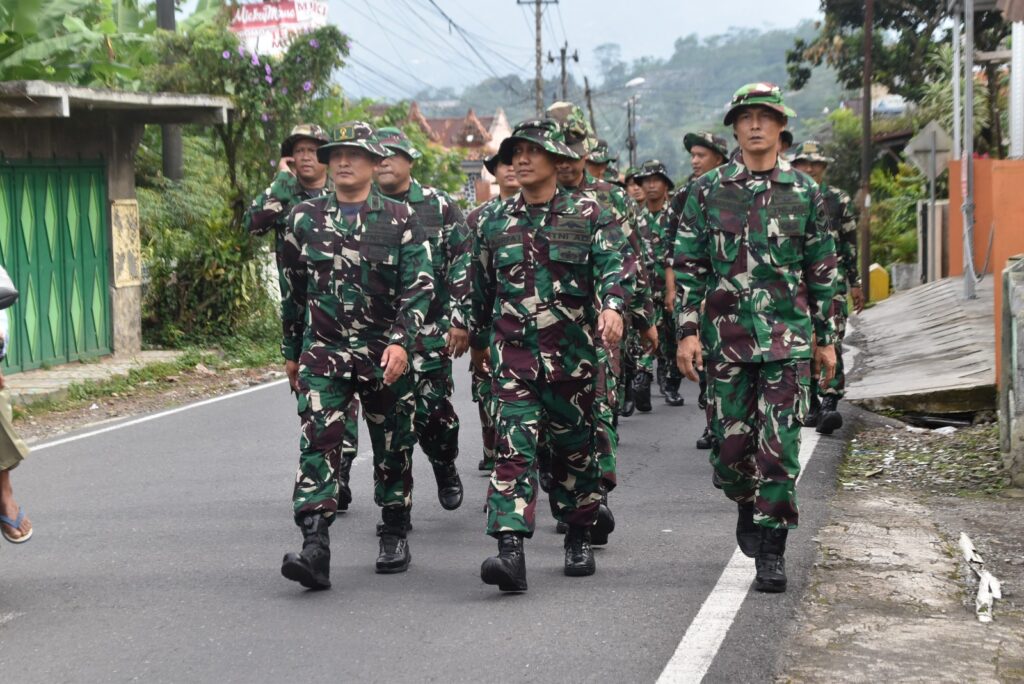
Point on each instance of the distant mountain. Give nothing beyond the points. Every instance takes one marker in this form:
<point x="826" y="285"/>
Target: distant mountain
<point x="688" y="91"/>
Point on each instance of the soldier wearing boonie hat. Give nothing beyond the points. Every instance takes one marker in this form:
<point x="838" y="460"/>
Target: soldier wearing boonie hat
<point x="600" y="159"/>
<point x="633" y="188"/>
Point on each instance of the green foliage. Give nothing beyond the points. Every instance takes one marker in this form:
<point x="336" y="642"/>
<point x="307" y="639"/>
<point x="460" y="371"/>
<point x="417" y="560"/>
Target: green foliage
<point x="843" y="145"/>
<point x="894" y="214"/>
<point x="101" y="43"/>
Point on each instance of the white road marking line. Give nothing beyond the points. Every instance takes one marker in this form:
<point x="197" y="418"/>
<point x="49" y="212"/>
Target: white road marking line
<point x="154" y="416"/>
<point x="704" y="636"/>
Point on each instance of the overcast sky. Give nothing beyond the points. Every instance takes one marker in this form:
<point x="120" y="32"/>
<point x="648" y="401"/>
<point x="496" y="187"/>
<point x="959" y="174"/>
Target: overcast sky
<point x="402" y="45"/>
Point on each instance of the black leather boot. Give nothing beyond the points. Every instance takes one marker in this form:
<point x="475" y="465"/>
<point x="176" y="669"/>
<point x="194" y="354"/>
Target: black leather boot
<point x="770" y="564"/>
<point x="642" y="391"/>
<point x="344" y="492"/>
<point x="394" y="553"/>
<point x="814" y="412"/>
<point x="660" y="373"/>
<point x="544" y="478"/>
<point x="449" y="485"/>
<point x="312" y="566"/>
<point x="702" y="398"/>
<point x="628" y="396"/>
<point x="706" y="441"/>
<point x="748" y="533"/>
<point x="508" y="568"/>
<point x="605" y="524"/>
<point x="579" y="556"/>
<point x="830" y="420"/>
<point x="672" y="396"/>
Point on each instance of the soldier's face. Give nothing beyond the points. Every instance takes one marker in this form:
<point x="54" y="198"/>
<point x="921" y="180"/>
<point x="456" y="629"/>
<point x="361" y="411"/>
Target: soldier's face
<point x="703" y="160"/>
<point x="394" y="172"/>
<point x="533" y="164"/>
<point x="570" y="171"/>
<point x="757" y="129"/>
<point x="635" y="191"/>
<point x="596" y="170"/>
<point x="307" y="168"/>
<point x="815" y="170"/>
<point x="351" y="168"/>
<point x="655" y="188"/>
<point x="506" y="177"/>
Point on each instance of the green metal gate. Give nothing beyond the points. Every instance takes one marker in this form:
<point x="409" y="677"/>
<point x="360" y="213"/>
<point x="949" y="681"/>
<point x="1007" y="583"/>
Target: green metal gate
<point x="54" y="243"/>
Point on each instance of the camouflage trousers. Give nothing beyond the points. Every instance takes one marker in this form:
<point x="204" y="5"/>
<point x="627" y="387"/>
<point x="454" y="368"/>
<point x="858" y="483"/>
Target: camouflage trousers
<point x="325" y="407"/>
<point x="436" y="424"/>
<point x="606" y="404"/>
<point x="484" y="399"/>
<point x="755" y="411"/>
<point x="561" y="413"/>
<point x="837" y="386"/>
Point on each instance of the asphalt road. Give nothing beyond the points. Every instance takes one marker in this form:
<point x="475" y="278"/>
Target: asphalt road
<point x="157" y="551"/>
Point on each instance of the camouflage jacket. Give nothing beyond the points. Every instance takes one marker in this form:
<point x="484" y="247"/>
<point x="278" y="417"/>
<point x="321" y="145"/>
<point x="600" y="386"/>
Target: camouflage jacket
<point x="626" y="212"/>
<point x="540" y="273"/>
<point x="657" y="248"/>
<point x="844" y="232"/>
<point x="674" y="213"/>
<point x="269" y="211"/>
<point x="351" y="289"/>
<point x="757" y="252"/>
<point x="451" y="251"/>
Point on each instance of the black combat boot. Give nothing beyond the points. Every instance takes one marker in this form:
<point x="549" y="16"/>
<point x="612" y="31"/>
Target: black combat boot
<point x="672" y="396"/>
<point x="312" y="566"/>
<point x="706" y="440"/>
<point x="628" y="397"/>
<point x="661" y="372"/>
<point x="579" y="556"/>
<point x="544" y="477"/>
<point x="449" y="485"/>
<point x="642" y="391"/>
<point x="508" y="568"/>
<point x="814" y="412"/>
<point x="394" y="548"/>
<point x="748" y="533"/>
<point x="605" y="524"/>
<point x="485" y="465"/>
<point x="830" y="420"/>
<point x="702" y="398"/>
<point x="716" y="479"/>
<point x="344" y="492"/>
<point x="770" y="564"/>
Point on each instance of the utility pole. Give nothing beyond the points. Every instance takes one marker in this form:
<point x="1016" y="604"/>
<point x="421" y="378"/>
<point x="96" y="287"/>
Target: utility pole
<point x="631" y="127"/>
<point x="173" y="164"/>
<point x="565" y="76"/>
<point x="538" y="88"/>
<point x="590" y="103"/>
<point x="967" y="162"/>
<point x="865" y="153"/>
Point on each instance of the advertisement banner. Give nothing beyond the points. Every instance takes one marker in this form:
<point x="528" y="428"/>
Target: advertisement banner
<point x="267" y="27"/>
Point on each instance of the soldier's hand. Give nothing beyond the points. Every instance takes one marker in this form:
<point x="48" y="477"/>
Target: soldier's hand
<point x="394" y="362"/>
<point x="481" y="359"/>
<point x="690" y="357"/>
<point x="609" y="327"/>
<point x="457" y="342"/>
<point x="825" y="360"/>
<point x="291" y="369"/>
<point x="857" y="295"/>
<point x="286" y="164"/>
<point x="649" y="339"/>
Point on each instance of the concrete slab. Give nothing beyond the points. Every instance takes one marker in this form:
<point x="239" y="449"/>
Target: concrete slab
<point x="927" y="350"/>
<point x="52" y="383"/>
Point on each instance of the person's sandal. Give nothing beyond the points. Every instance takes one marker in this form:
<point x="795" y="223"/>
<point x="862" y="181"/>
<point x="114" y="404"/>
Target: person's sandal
<point x="15" y="524"/>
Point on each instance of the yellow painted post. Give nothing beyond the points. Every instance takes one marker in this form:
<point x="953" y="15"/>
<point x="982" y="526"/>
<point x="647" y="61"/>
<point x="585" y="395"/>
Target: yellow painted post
<point x="878" y="283"/>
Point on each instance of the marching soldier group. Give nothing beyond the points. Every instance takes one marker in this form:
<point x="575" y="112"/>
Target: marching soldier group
<point x="572" y="292"/>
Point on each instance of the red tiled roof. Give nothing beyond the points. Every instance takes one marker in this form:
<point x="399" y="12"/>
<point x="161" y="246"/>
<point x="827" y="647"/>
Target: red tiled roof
<point x="469" y="131"/>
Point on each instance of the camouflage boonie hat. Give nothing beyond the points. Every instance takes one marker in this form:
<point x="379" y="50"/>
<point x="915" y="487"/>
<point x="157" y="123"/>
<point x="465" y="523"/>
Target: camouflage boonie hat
<point x="397" y="141"/>
<point x="544" y="132"/>
<point x="764" y="94"/>
<point x="715" y="143"/>
<point x="653" y="167"/>
<point x="579" y="136"/>
<point x="786" y="137"/>
<point x="353" y="134"/>
<point x="809" y="151"/>
<point x="600" y="154"/>
<point x="630" y="173"/>
<point x="303" y="131"/>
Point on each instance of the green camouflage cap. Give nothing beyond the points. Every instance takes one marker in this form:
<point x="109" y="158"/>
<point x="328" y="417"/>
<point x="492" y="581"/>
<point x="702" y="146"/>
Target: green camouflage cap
<point x="579" y="136"/>
<point x="544" y="132"/>
<point x="397" y="141"/>
<point x="600" y="155"/>
<point x="353" y="134"/>
<point x="764" y="94"/>
<point x="653" y="167"/>
<point x="631" y="172"/>
<point x="304" y="131"/>
<point x="809" y="151"/>
<point x="611" y="174"/>
<point x="715" y="143"/>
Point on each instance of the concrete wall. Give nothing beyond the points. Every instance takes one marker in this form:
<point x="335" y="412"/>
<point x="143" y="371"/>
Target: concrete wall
<point x="114" y="139"/>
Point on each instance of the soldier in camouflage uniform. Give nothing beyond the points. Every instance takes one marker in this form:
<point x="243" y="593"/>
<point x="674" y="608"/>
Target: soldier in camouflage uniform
<point x="572" y="175"/>
<point x="357" y="288"/>
<point x="549" y="286"/>
<point x="807" y="157"/>
<point x="707" y="151"/>
<point x="600" y="160"/>
<point x="755" y="249"/>
<point x="508" y="185"/>
<point x="301" y="176"/>
<point x="444" y="333"/>
<point x="654" y="221"/>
